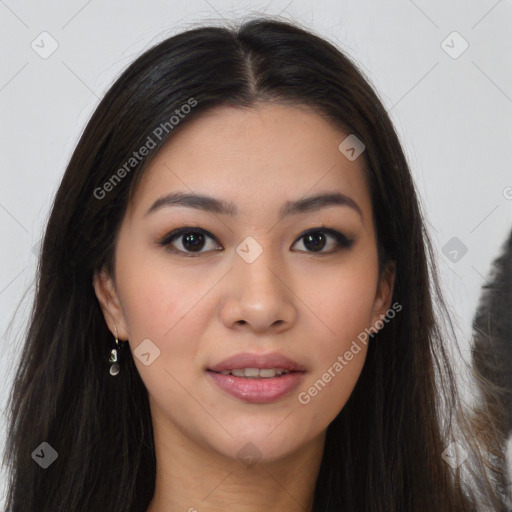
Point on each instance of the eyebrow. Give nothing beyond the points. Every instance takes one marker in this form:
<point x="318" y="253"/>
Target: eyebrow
<point x="211" y="204"/>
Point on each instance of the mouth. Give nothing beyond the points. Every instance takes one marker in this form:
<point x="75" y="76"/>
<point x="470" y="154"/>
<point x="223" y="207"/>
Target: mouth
<point x="257" y="378"/>
<point x="256" y="385"/>
<point x="255" y="373"/>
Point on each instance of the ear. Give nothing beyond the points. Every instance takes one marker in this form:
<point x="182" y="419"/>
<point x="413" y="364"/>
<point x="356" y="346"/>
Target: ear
<point x="384" y="292"/>
<point x="108" y="298"/>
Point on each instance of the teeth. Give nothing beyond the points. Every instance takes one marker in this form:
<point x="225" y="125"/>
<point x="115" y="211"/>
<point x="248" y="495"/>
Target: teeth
<point x="270" y="372"/>
<point x="252" y="372"/>
<point x="256" y="373"/>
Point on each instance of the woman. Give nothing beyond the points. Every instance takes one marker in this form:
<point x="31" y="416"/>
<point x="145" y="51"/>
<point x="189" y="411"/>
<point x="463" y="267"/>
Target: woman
<point x="234" y="304"/>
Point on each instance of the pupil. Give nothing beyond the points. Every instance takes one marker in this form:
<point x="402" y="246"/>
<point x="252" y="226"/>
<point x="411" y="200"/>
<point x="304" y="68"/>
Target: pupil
<point x="193" y="241"/>
<point x="317" y="240"/>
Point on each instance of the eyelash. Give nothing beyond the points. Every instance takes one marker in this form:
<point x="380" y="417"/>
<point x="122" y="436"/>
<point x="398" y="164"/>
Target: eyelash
<point x="342" y="241"/>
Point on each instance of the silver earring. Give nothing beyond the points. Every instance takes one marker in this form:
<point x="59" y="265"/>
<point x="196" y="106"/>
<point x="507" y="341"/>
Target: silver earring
<point x="113" y="359"/>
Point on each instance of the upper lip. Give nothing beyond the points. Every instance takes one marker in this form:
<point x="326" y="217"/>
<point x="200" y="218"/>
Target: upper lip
<point x="248" y="360"/>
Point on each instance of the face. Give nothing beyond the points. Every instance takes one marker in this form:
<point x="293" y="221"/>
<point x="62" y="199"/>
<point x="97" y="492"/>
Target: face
<point x="255" y="278"/>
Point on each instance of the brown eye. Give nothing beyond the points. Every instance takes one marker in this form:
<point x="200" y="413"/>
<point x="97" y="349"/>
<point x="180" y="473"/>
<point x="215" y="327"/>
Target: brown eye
<point x="192" y="241"/>
<point x="317" y="239"/>
<point x="188" y="241"/>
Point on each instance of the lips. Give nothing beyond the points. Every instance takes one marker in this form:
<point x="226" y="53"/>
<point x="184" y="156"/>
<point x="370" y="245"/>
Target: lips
<point x="248" y="360"/>
<point x="249" y="377"/>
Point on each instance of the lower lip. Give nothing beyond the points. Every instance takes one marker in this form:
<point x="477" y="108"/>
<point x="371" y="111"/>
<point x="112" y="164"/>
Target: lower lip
<point x="257" y="390"/>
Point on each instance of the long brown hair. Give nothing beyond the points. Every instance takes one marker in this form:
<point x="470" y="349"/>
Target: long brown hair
<point x="384" y="449"/>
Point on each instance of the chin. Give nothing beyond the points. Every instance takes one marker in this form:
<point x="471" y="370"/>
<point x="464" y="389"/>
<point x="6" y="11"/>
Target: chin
<point x="258" y="446"/>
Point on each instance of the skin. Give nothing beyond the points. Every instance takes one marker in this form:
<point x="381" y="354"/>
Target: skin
<point x="307" y="305"/>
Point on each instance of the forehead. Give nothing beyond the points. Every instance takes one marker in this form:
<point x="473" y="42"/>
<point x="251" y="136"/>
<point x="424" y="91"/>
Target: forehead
<point x="256" y="158"/>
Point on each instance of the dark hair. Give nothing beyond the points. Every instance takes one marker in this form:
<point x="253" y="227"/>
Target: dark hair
<point x="384" y="449"/>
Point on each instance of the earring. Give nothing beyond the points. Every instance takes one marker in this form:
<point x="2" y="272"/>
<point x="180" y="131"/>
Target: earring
<point x="113" y="359"/>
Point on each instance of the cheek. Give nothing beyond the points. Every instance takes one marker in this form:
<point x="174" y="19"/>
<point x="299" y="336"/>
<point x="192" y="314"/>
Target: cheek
<point x="342" y="299"/>
<point x="343" y="310"/>
<point x="167" y="307"/>
<point x="346" y="309"/>
<point x="340" y="354"/>
<point x="150" y="304"/>
<point x="155" y="297"/>
<point x="346" y="313"/>
<point x="166" y="311"/>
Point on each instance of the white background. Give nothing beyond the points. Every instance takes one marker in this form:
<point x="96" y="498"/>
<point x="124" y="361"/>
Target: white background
<point x="453" y="115"/>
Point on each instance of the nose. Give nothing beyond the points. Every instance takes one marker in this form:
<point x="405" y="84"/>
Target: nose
<point x="261" y="297"/>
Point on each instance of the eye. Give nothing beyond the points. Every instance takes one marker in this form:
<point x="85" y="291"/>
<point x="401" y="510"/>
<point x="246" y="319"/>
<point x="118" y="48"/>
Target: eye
<point x="192" y="240"/>
<point x="316" y="240"/>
